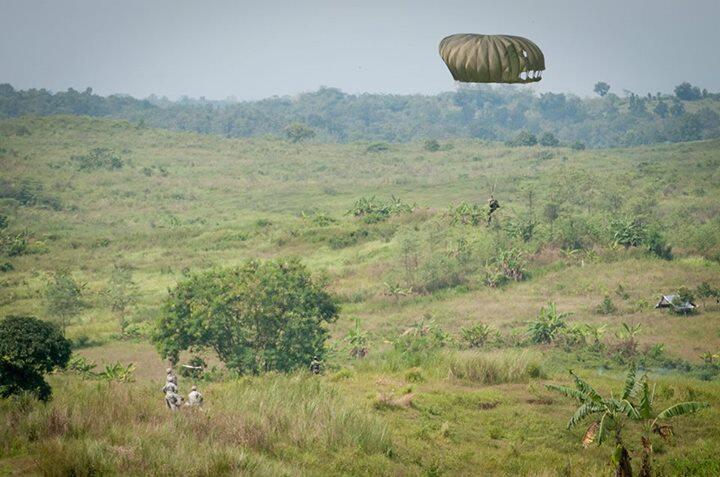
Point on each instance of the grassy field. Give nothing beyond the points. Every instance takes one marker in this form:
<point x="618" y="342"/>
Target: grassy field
<point x="184" y="202"/>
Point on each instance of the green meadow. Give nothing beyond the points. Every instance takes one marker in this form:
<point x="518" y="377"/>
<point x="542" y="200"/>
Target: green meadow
<point x="90" y="196"/>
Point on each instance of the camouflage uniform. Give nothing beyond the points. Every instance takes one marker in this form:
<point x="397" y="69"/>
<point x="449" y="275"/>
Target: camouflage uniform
<point x="172" y="399"/>
<point x="171" y="377"/>
<point x="494" y="205"/>
<point x="195" y="398"/>
<point x="315" y="365"/>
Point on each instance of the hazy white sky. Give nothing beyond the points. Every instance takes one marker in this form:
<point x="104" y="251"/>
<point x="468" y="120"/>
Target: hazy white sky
<point x="253" y="50"/>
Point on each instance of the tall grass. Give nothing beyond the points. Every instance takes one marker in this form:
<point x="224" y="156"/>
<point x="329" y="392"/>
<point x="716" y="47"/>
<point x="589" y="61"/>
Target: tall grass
<point x="98" y="428"/>
<point x="495" y="368"/>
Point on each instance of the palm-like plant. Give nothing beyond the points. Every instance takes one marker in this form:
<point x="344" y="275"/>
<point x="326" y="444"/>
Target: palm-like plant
<point x="652" y="420"/>
<point x="548" y="325"/>
<point x="357" y="338"/>
<point x="635" y="404"/>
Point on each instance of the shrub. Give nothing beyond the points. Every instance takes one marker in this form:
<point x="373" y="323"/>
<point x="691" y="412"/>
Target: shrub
<point x="548" y="139"/>
<point x="29" y="348"/>
<point x="508" y="266"/>
<point x="432" y="145"/>
<point x="606" y="307"/>
<point x="477" y="335"/>
<point x="28" y="193"/>
<point x="357" y="339"/>
<point x="439" y="272"/>
<point x="378" y="147"/>
<point x="373" y="210"/>
<point x="656" y="245"/>
<point x="98" y="158"/>
<point x="257" y="317"/>
<point x="418" y="344"/>
<point x="628" y="232"/>
<point x="63" y="297"/>
<point x="414" y="375"/>
<point x="298" y="132"/>
<point x="523" y="138"/>
<point x="548" y="326"/>
<point x="495" y="368"/>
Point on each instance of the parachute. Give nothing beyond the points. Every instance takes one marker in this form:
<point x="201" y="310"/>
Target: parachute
<point x="473" y="58"/>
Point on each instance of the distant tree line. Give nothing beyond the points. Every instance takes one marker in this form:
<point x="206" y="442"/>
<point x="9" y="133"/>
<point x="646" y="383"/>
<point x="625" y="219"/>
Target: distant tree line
<point x="328" y="114"/>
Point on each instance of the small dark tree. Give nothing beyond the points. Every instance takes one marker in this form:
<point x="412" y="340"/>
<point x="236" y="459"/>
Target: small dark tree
<point x="29" y="348"/>
<point x="548" y="139"/>
<point x="257" y="317"/>
<point x="677" y="109"/>
<point x="687" y="92"/>
<point x="297" y="132"/>
<point x="63" y="298"/>
<point x="601" y="88"/>
<point x="432" y="145"/>
<point x="121" y="293"/>
<point x="661" y="109"/>
<point x="523" y="138"/>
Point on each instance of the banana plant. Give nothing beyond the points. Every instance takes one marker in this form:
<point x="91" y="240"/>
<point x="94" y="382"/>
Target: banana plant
<point x="634" y="405"/>
<point x="654" y="422"/>
<point x="357" y="338"/>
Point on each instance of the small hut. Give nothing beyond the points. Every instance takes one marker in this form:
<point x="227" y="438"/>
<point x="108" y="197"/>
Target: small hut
<point x="668" y="301"/>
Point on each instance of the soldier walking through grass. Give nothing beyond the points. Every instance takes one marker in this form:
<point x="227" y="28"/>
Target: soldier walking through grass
<point x="195" y="398"/>
<point x="172" y="399"/>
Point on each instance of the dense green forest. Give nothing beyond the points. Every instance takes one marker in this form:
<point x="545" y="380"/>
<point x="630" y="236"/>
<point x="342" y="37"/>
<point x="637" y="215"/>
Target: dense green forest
<point x="510" y="114"/>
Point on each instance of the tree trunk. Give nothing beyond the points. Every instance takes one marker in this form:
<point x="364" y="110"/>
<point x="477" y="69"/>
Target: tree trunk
<point x="624" y="469"/>
<point x="622" y="456"/>
<point x="646" y="469"/>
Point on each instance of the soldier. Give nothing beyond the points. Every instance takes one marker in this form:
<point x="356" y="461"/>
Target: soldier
<point x="494" y="205"/>
<point x="195" y="399"/>
<point x="171" y="376"/>
<point x="315" y="365"/>
<point x="172" y="399"/>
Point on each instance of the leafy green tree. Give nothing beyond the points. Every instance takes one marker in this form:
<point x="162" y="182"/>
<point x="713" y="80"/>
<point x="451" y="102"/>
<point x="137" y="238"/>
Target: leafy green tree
<point x="258" y="317"/>
<point x="297" y="132"/>
<point x="601" y="88"/>
<point x="29" y="348"/>
<point x="63" y="298"/>
<point x="687" y="92"/>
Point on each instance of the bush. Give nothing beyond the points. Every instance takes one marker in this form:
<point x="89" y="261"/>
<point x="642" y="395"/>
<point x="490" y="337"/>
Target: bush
<point x="432" y="145"/>
<point x="373" y="210"/>
<point x="378" y="147"/>
<point x="29" y="348"/>
<point x="477" y="335"/>
<point x="606" y="307"/>
<point x="548" y="326"/>
<point x="511" y="264"/>
<point x="578" y="146"/>
<point x="98" y="158"/>
<point x="257" y="317"/>
<point x="523" y="138"/>
<point x="548" y="139"/>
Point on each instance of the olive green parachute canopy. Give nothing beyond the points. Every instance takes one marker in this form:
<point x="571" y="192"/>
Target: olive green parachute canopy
<point x="475" y="58"/>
